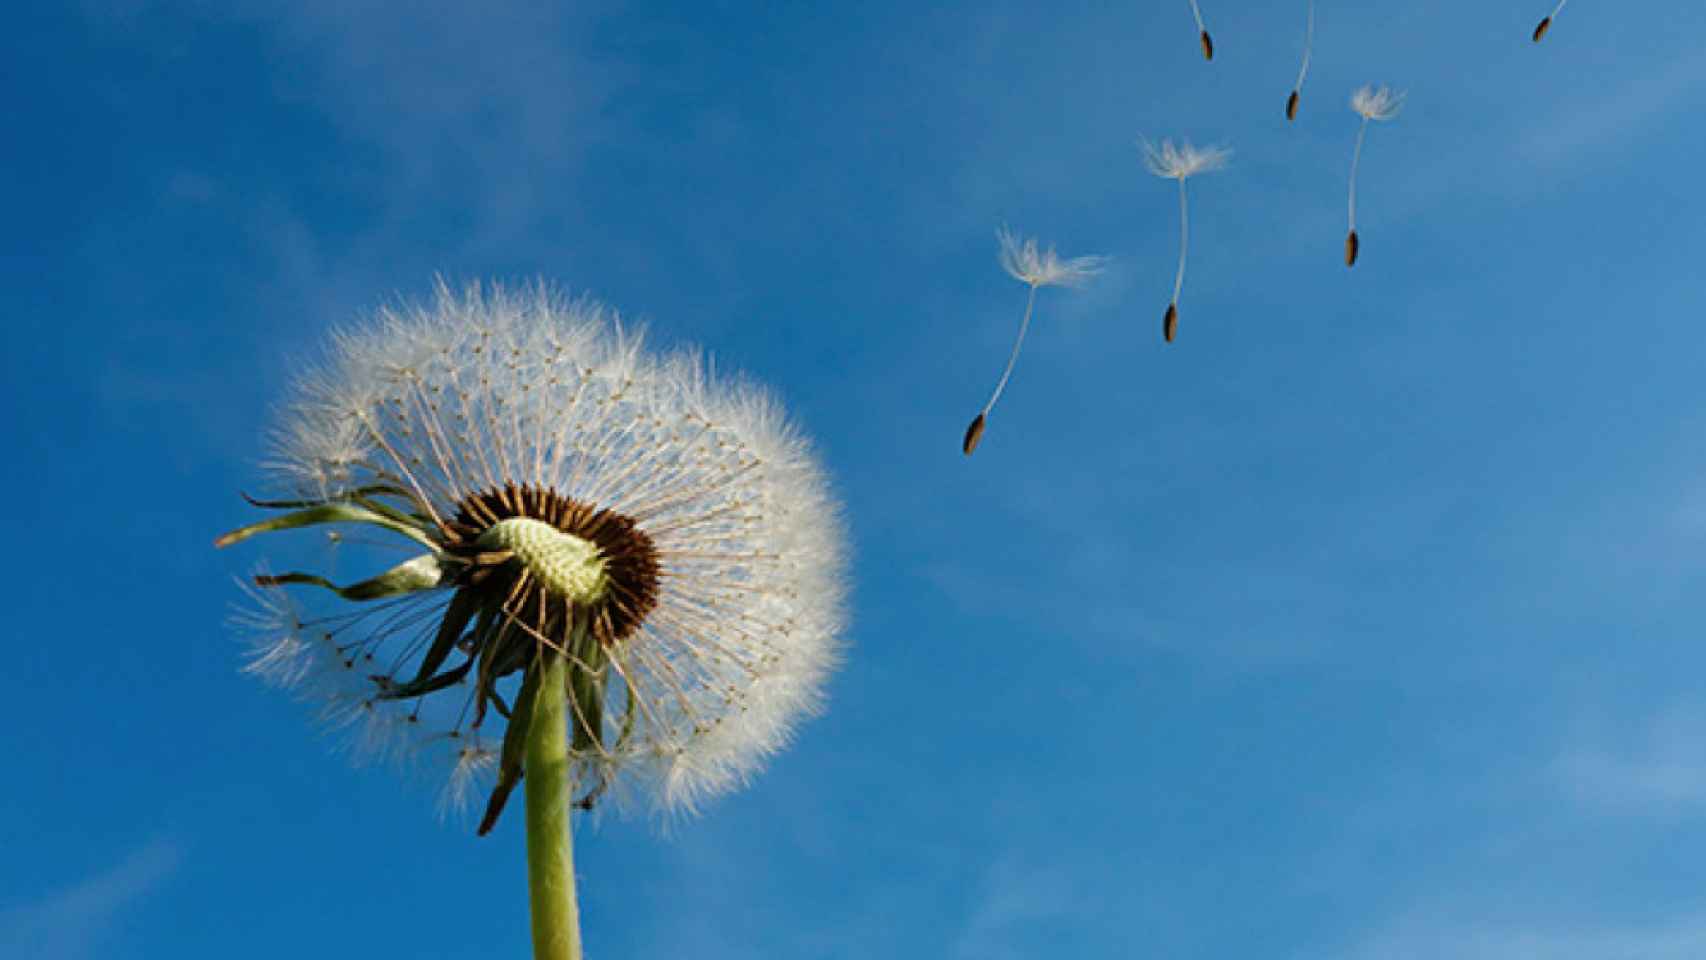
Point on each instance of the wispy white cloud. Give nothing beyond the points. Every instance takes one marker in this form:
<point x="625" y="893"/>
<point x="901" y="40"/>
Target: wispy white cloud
<point x="1659" y="771"/>
<point x="1432" y="937"/>
<point x="495" y="107"/>
<point x="73" y="922"/>
<point x="1018" y="902"/>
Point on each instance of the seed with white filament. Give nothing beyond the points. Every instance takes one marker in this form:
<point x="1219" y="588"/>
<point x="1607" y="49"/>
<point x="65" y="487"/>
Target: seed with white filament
<point x="1181" y="162"/>
<point x="1369" y="103"/>
<point x="1026" y="262"/>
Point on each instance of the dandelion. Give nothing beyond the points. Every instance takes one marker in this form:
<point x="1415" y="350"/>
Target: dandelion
<point x="1180" y="163"/>
<point x="628" y="579"/>
<point x="1303" y="71"/>
<point x="1546" y="21"/>
<point x="1371" y="104"/>
<point x="1024" y="262"/>
<point x="1202" y="33"/>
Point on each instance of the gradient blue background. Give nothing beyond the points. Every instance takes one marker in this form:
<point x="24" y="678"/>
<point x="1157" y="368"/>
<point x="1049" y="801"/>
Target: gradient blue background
<point x="1363" y="622"/>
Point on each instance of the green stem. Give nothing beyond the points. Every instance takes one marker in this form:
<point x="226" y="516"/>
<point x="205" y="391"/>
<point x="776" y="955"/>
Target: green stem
<point x="550" y="848"/>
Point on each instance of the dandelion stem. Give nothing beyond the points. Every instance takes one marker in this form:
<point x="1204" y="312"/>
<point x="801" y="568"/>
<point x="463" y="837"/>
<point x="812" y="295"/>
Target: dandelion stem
<point x="550" y="847"/>
<point x="1184" y="241"/>
<point x="1013" y="357"/>
<point x="1356" y="158"/>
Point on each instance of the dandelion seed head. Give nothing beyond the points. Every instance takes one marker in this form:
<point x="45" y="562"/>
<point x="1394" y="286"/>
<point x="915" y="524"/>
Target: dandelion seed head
<point x="668" y="527"/>
<point x="1181" y="160"/>
<point x="1377" y="103"/>
<point x="1025" y="262"/>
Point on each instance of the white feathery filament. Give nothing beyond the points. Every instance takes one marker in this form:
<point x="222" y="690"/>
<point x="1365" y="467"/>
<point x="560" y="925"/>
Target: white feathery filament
<point x="1013" y="357"/>
<point x="1184" y="241"/>
<point x="1308" y="46"/>
<point x="1356" y="159"/>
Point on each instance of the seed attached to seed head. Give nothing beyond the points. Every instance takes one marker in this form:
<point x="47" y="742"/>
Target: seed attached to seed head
<point x="974" y="433"/>
<point x="1170" y="322"/>
<point x="1351" y="247"/>
<point x="1291" y="106"/>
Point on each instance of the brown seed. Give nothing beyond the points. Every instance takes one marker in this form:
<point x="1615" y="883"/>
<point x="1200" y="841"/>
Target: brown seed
<point x="1351" y="246"/>
<point x="1207" y="46"/>
<point x="1540" y="31"/>
<point x="974" y="433"/>
<point x="1170" y="322"/>
<point x="1291" y="106"/>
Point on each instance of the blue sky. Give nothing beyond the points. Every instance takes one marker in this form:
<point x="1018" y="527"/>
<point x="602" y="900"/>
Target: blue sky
<point x="1362" y="622"/>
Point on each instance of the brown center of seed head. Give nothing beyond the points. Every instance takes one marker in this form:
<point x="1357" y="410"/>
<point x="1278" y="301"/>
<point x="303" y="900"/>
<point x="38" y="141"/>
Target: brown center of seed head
<point x="629" y="554"/>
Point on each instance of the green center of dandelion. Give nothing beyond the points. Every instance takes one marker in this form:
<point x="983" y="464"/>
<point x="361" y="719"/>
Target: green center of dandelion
<point x="567" y="565"/>
<point x="535" y="578"/>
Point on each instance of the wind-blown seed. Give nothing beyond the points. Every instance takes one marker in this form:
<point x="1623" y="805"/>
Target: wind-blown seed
<point x="1027" y="262"/>
<point x="1540" y="30"/>
<point x="1291" y="106"/>
<point x="1370" y="103"/>
<point x="974" y="434"/>
<point x="1207" y="46"/>
<point x="1170" y="322"/>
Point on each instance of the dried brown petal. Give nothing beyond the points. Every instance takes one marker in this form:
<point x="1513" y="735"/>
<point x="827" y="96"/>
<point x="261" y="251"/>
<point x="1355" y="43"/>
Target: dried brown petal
<point x="1170" y="322"/>
<point x="974" y="433"/>
<point x="1207" y="46"/>
<point x="1291" y="106"/>
<point x="1351" y="247"/>
<point x="1540" y="31"/>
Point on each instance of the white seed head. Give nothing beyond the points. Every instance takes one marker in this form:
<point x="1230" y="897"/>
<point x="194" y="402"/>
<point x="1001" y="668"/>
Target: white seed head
<point x="497" y="389"/>
<point x="1376" y="103"/>
<point x="1022" y="260"/>
<point x="1181" y="160"/>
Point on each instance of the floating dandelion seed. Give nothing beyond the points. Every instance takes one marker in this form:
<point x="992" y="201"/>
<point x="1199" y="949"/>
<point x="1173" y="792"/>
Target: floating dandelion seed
<point x="1546" y="21"/>
<point x="1371" y="104"/>
<point x="1202" y="33"/>
<point x="1303" y="71"/>
<point x="632" y="570"/>
<point x="1180" y="163"/>
<point x="1024" y="262"/>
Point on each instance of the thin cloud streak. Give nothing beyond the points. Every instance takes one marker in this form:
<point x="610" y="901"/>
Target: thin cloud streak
<point x="72" y="923"/>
